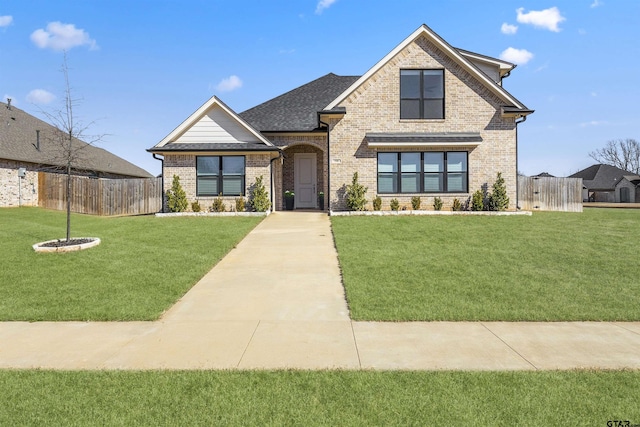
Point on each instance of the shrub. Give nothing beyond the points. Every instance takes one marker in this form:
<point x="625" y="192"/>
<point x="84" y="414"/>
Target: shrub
<point x="176" y="197"/>
<point x="457" y="206"/>
<point x="477" y="202"/>
<point x="240" y="204"/>
<point x="355" y="195"/>
<point x="377" y="203"/>
<point x="437" y="203"/>
<point x="415" y="203"/>
<point x="395" y="205"/>
<point x="498" y="200"/>
<point x="259" y="197"/>
<point x="218" y="204"/>
<point x="195" y="206"/>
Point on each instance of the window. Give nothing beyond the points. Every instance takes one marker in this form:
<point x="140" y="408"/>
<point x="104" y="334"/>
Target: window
<point x="428" y="172"/>
<point x="219" y="174"/>
<point x="422" y="94"/>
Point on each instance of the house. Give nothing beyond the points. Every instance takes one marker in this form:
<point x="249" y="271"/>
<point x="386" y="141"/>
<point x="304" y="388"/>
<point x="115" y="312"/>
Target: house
<point x="609" y="184"/>
<point x="544" y="175"/>
<point x="29" y="145"/>
<point x="427" y="120"/>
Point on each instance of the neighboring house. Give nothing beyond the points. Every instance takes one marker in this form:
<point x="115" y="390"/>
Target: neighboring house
<point x="609" y="184"/>
<point x="427" y="120"/>
<point x="29" y="145"/>
<point x="544" y="175"/>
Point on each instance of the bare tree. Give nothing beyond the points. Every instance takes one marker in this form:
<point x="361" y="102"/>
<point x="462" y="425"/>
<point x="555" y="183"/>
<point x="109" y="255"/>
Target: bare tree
<point x="69" y="137"/>
<point x="621" y="153"/>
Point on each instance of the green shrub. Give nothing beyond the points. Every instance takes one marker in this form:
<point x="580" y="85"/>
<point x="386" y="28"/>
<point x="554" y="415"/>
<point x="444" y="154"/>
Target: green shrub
<point x="289" y="194"/>
<point x="477" y="201"/>
<point x="218" y="204"/>
<point x="377" y="203"/>
<point x="195" y="206"/>
<point x="415" y="203"/>
<point x="259" y="197"/>
<point x="395" y="205"/>
<point x="498" y="200"/>
<point x="355" y="195"/>
<point x="457" y="206"/>
<point x="176" y="197"/>
<point x="240" y="204"/>
<point x="437" y="203"/>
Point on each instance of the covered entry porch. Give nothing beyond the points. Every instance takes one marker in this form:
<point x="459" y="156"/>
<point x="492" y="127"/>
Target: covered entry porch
<point x="303" y="172"/>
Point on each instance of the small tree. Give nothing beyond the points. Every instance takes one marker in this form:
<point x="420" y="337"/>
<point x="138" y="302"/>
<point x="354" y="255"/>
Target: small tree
<point x="355" y="195"/>
<point x="176" y="197"/>
<point x="377" y="203"/>
<point x="415" y="203"/>
<point x="259" y="197"/>
<point x="437" y="203"/>
<point x="498" y="200"/>
<point x="477" y="201"/>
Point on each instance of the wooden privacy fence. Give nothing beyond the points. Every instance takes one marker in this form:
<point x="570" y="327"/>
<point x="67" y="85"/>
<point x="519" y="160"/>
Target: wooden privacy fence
<point x="550" y="194"/>
<point x="100" y="196"/>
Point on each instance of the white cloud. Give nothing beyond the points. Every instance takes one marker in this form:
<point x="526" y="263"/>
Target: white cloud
<point x="594" y="123"/>
<point x="229" y="84"/>
<point x="508" y="28"/>
<point x="59" y="36"/>
<point x="323" y="4"/>
<point x="547" y="18"/>
<point x="40" y="96"/>
<point x="6" y="20"/>
<point x="596" y="3"/>
<point x="517" y="56"/>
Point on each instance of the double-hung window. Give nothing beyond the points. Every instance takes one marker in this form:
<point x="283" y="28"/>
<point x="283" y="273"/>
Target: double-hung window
<point x="422" y="94"/>
<point x="427" y="172"/>
<point x="220" y="175"/>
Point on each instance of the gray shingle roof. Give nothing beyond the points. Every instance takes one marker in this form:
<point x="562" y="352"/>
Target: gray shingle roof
<point x="600" y="177"/>
<point x="297" y="109"/>
<point x="18" y="142"/>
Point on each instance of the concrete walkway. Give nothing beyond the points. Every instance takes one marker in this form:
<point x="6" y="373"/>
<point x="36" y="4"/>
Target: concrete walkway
<point x="276" y="301"/>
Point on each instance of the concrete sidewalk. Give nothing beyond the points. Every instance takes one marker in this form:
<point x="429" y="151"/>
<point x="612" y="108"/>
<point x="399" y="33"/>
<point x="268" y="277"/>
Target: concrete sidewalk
<point x="276" y="301"/>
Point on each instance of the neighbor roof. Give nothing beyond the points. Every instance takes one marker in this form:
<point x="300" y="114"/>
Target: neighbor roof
<point x="600" y="177"/>
<point x="297" y="110"/>
<point x="18" y="139"/>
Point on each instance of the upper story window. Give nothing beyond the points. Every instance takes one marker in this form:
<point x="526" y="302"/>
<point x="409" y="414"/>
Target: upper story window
<point x="220" y="175"/>
<point x="422" y="94"/>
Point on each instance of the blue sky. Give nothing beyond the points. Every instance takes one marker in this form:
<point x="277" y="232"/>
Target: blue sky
<point x="140" y="67"/>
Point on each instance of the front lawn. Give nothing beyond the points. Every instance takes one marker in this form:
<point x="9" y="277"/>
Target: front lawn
<point x="547" y="267"/>
<point x="143" y="265"/>
<point x="329" y="398"/>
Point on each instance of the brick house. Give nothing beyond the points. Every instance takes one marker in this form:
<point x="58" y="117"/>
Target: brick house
<point x="427" y="120"/>
<point x="29" y="145"/>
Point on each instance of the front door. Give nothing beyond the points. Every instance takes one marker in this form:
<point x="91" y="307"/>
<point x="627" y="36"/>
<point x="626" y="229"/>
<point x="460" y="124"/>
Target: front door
<point x="304" y="180"/>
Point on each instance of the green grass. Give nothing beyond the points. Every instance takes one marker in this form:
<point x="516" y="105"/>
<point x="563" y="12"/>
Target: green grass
<point x="547" y="267"/>
<point x="329" y="398"/>
<point x="143" y="265"/>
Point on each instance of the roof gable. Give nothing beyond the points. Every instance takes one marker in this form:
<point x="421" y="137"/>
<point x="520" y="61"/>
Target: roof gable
<point x="455" y="54"/>
<point x="211" y="124"/>
<point x="601" y="177"/>
<point x="19" y="133"/>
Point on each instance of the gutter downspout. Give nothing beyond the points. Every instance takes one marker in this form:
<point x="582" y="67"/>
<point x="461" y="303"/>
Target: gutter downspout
<point x="162" y="175"/>
<point x="518" y="120"/>
<point x="272" y="185"/>
<point x="328" y="198"/>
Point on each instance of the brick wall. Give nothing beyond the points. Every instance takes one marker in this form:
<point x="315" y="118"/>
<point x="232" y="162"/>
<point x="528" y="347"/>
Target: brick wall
<point x="375" y="107"/>
<point x="16" y="191"/>
<point x="184" y="165"/>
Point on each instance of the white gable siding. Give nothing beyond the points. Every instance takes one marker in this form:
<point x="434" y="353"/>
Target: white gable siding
<point x="216" y="126"/>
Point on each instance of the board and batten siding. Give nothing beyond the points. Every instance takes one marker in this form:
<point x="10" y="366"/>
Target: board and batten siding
<point x="216" y="127"/>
